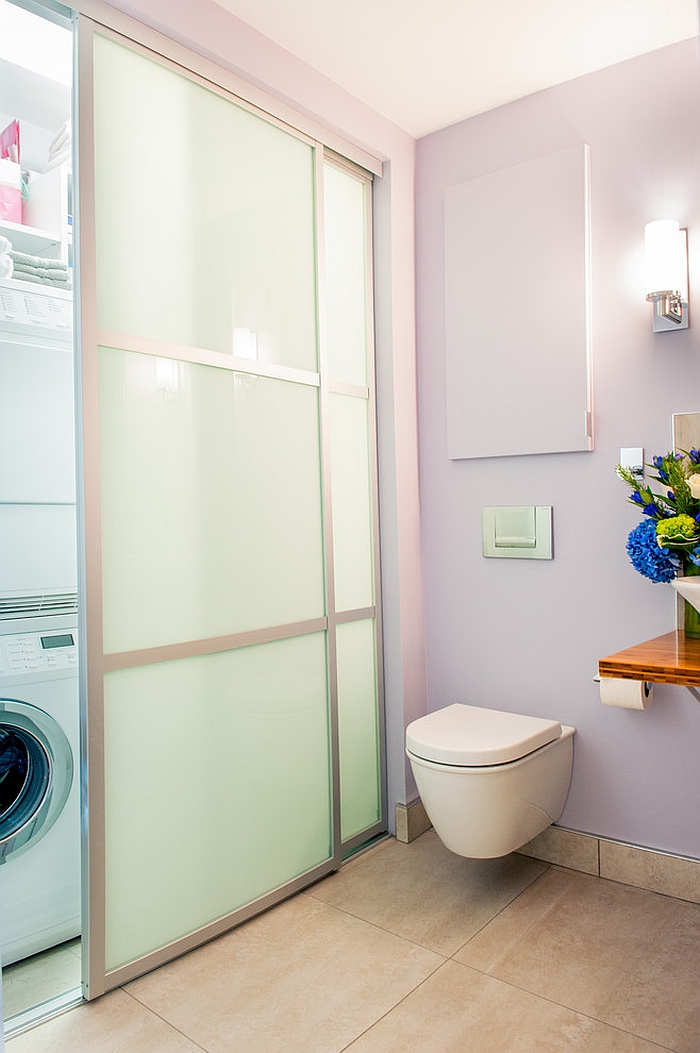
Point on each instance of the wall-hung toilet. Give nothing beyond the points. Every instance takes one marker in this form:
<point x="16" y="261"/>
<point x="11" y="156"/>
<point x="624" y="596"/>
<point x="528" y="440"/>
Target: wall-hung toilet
<point x="489" y="781"/>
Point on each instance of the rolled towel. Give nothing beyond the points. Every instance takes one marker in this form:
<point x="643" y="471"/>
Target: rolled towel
<point x="6" y="265"/>
<point x="62" y="136"/>
<point x="58" y="160"/>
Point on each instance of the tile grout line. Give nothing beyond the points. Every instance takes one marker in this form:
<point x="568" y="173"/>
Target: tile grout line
<point x="447" y="957"/>
<point x="379" y="928"/>
<point x="498" y="913"/>
<point x="163" y="1020"/>
<point x="570" y="1009"/>
<point x="396" y="1005"/>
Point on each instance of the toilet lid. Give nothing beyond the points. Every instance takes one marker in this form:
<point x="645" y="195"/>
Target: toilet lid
<point x="470" y="736"/>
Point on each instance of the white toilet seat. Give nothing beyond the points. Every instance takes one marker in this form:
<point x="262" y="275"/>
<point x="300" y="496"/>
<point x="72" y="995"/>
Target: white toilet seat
<point x="467" y="736"/>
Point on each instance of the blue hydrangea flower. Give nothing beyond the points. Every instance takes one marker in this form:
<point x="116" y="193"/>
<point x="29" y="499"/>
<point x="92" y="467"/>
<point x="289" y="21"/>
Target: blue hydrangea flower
<point x="694" y="556"/>
<point x="647" y="557"/>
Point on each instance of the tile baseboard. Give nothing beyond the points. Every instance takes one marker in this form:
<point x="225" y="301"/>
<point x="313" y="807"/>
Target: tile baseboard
<point x="677" y="876"/>
<point x="670" y="875"/>
<point x="411" y="821"/>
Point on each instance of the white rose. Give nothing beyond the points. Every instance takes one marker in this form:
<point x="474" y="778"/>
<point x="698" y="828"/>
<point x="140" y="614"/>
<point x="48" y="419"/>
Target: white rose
<point x="694" y="484"/>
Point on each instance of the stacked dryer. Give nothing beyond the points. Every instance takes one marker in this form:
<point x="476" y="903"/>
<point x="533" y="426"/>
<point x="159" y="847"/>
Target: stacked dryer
<point x="39" y="709"/>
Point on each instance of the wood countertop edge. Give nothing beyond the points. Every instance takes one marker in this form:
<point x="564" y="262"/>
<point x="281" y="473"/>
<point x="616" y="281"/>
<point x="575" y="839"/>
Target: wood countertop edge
<point x="667" y="659"/>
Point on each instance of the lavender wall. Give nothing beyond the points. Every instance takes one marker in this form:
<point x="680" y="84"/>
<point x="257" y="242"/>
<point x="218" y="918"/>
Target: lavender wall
<point x="525" y="635"/>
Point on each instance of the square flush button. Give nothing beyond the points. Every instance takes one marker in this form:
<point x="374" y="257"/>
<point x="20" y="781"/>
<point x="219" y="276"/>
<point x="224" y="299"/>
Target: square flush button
<point x="520" y="532"/>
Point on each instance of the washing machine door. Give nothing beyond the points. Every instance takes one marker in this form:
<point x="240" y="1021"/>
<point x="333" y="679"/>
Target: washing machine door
<point x="36" y="772"/>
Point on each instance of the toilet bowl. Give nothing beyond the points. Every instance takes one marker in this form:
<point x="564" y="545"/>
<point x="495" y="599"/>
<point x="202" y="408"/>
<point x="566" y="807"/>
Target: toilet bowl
<point x="490" y="781"/>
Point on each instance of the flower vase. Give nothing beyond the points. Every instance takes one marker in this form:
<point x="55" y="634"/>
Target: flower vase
<point x="691" y="616"/>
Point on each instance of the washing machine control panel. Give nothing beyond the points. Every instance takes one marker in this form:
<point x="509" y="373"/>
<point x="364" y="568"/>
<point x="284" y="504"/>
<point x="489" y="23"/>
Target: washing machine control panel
<point x="38" y="652"/>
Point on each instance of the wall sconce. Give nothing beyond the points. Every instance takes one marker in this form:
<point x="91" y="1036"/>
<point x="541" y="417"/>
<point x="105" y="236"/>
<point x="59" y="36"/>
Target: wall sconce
<point x="666" y="271"/>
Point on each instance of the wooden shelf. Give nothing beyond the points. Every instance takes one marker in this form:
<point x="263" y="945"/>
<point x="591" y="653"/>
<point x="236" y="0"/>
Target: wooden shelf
<point x="669" y="659"/>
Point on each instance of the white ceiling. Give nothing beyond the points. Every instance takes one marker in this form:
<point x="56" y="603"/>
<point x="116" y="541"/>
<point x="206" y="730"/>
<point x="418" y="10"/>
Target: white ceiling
<point x="426" y="64"/>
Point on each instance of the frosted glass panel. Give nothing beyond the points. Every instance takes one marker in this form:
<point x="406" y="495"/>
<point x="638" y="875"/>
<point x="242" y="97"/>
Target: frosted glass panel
<point x="346" y="251"/>
<point x="217" y="787"/>
<point x="211" y="503"/>
<point x="351" y="495"/>
<point x="205" y="217"/>
<point x="360" y="804"/>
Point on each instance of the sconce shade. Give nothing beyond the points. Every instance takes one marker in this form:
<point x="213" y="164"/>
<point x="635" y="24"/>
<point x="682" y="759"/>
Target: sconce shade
<point x="666" y="258"/>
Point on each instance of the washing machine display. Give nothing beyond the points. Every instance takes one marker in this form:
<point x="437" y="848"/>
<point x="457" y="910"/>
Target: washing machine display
<point x="39" y="793"/>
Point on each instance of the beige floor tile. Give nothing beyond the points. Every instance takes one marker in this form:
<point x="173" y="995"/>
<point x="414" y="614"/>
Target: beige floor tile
<point x="113" y="1024"/>
<point x="425" y="893"/>
<point x="458" y="1010"/>
<point x="39" y="978"/>
<point x="302" y="977"/>
<point x="496" y="940"/>
<point x="625" y="956"/>
<point x="659" y="995"/>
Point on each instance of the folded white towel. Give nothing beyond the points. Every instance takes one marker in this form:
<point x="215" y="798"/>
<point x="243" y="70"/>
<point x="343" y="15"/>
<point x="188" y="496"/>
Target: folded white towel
<point x="5" y="245"/>
<point x="23" y="258"/>
<point x="6" y="265"/>
<point x="55" y="283"/>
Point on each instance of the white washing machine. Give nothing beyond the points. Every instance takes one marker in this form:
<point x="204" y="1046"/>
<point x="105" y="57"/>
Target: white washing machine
<point x="39" y="709"/>
<point x="40" y="903"/>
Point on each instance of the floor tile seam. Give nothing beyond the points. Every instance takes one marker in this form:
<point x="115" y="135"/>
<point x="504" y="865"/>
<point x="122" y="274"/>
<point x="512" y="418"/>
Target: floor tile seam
<point x="572" y="1009"/>
<point x="650" y="891"/>
<point x="505" y="907"/>
<point x="164" y="1020"/>
<point x="399" y="1002"/>
<point x="382" y="928"/>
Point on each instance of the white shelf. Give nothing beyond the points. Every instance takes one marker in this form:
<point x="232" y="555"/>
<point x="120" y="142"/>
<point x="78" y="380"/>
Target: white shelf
<point x="31" y="240"/>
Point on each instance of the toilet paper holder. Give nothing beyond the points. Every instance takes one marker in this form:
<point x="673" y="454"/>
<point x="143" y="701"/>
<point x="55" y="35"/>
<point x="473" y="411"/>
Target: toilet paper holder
<point x="693" y="690"/>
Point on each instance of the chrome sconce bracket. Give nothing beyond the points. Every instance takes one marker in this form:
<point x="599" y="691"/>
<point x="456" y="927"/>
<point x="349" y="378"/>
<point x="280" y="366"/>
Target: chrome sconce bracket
<point x="669" y="311"/>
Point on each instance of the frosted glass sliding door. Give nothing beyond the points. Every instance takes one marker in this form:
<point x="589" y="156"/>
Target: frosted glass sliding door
<point x="224" y="203"/>
<point x="351" y="425"/>
<point x="360" y="782"/>
<point x="211" y="763"/>
<point x="211" y="501"/>
<point x="235" y="711"/>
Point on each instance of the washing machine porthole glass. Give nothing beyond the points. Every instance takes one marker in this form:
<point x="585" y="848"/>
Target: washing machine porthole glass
<point x="25" y="772"/>
<point x="36" y="772"/>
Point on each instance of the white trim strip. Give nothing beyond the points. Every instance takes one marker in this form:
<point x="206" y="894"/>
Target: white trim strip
<point x="201" y="356"/>
<point x="361" y="614"/>
<point x="212" y="645"/>
<point x="89" y="520"/>
<point x="341" y="387"/>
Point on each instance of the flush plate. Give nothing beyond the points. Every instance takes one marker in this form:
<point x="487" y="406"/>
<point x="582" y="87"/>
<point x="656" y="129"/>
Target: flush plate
<point x="517" y="532"/>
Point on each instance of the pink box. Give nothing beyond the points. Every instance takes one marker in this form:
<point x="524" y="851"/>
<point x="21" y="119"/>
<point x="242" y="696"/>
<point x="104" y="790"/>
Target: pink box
<point x="10" y="204"/>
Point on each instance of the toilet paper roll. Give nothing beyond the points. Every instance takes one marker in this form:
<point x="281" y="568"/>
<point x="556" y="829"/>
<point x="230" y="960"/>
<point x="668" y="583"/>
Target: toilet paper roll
<point x="629" y="694"/>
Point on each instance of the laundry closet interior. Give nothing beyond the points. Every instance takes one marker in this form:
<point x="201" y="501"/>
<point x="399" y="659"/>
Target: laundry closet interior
<point x="191" y="712"/>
